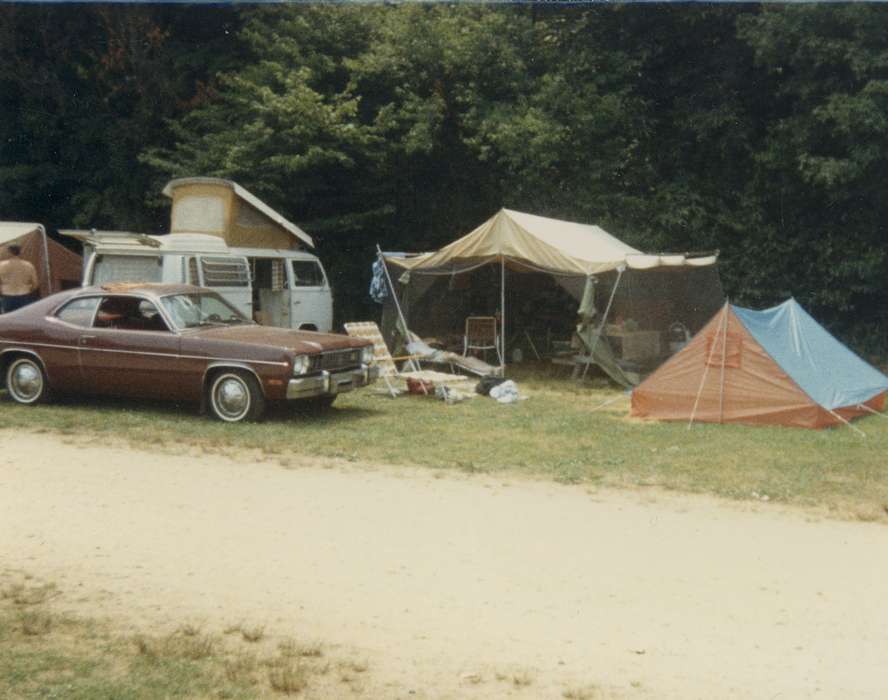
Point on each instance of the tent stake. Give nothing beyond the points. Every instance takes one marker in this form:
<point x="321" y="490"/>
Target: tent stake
<point x="706" y="370"/>
<point x="610" y="401"/>
<point x="871" y="410"/>
<point x="848" y="423"/>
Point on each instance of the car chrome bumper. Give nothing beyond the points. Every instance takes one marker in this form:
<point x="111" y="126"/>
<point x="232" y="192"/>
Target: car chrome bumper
<point x="331" y="383"/>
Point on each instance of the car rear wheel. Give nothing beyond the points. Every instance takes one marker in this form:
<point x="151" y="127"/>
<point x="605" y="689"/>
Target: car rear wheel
<point x="26" y="381"/>
<point x="235" y="396"/>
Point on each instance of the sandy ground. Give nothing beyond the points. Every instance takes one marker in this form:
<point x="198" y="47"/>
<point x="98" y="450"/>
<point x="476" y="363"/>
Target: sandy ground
<point x="445" y="584"/>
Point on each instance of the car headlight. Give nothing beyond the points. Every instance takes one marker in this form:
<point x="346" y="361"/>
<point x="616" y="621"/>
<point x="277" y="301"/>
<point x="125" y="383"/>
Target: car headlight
<point x="367" y="354"/>
<point x="301" y="364"/>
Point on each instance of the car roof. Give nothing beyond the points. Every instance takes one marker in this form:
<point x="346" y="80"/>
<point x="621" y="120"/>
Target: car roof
<point x="155" y="289"/>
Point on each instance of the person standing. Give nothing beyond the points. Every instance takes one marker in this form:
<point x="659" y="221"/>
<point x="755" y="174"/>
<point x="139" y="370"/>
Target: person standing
<point x="18" y="281"/>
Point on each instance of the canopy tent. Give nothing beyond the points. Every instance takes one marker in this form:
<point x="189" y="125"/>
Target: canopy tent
<point x="772" y="367"/>
<point x="536" y="243"/>
<point x="437" y="290"/>
<point x="57" y="267"/>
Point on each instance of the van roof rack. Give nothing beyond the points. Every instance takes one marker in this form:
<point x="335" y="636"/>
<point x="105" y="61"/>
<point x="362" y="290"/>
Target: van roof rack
<point x="95" y="236"/>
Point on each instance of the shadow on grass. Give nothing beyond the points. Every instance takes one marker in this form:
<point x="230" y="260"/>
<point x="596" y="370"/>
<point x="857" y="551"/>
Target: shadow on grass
<point x="277" y="412"/>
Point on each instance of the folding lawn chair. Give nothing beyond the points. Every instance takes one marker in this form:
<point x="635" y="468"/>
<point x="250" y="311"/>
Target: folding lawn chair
<point x="481" y="334"/>
<point x="388" y="370"/>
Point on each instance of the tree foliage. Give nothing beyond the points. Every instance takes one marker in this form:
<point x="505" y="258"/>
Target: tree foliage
<point x="760" y="130"/>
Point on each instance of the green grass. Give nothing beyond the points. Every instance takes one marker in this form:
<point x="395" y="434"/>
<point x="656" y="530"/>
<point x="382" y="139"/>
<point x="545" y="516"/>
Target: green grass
<point x="81" y="660"/>
<point x="70" y="658"/>
<point x="556" y="434"/>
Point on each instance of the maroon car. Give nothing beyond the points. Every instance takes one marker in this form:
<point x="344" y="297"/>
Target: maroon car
<point x="174" y="342"/>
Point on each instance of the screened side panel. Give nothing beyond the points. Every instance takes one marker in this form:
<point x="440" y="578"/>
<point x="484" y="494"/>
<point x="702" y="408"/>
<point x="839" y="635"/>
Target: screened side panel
<point x="659" y="298"/>
<point x="436" y="306"/>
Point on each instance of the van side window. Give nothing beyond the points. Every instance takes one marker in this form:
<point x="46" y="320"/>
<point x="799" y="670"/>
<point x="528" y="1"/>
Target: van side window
<point x="79" y="312"/>
<point x="126" y="268"/>
<point x="307" y="273"/>
<point x="224" y="272"/>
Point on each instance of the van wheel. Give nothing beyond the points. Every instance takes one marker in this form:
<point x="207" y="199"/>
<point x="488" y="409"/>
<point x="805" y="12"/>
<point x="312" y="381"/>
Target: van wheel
<point x="26" y="381"/>
<point x="235" y="396"/>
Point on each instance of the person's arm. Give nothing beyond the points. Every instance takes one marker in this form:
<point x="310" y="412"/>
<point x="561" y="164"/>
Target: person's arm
<point x="34" y="282"/>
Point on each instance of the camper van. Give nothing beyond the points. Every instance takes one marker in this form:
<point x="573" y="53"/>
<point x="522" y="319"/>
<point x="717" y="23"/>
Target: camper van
<point x="273" y="287"/>
<point x="224" y="238"/>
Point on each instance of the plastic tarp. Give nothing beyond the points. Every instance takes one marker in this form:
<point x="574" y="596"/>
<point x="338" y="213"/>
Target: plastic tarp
<point x="771" y="367"/>
<point x="824" y="368"/>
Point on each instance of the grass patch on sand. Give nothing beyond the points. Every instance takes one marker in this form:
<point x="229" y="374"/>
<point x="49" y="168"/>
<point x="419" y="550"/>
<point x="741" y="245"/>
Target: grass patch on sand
<point x="45" y="653"/>
<point x="559" y="433"/>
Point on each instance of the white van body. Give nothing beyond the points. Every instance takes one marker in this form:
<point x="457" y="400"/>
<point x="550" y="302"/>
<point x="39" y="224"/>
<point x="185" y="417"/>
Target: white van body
<point x="286" y="288"/>
<point x="290" y="288"/>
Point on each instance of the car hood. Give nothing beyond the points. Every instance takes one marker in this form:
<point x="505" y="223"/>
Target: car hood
<point x="307" y="342"/>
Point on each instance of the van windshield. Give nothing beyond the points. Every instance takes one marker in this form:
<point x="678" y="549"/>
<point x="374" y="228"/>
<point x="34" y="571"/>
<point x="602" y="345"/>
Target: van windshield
<point x="201" y="309"/>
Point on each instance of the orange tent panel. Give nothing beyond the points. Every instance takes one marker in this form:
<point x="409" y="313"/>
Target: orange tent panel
<point x="735" y="382"/>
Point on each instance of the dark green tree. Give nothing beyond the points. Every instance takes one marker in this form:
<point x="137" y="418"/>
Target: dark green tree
<point x="820" y="165"/>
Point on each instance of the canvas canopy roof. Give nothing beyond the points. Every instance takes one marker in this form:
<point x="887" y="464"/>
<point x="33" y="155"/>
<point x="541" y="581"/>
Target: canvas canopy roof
<point x="542" y="244"/>
<point x="776" y="366"/>
<point x="57" y="267"/>
<point x="11" y="230"/>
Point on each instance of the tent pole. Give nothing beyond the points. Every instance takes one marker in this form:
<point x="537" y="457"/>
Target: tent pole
<point x="721" y="390"/>
<point x="411" y="361"/>
<point x="706" y="370"/>
<point x="49" y="289"/>
<point x="503" y="315"/>
<point x="603" y="319"/>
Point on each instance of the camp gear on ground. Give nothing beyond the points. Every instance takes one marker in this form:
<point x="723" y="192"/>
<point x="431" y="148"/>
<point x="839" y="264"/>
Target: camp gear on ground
<point x="487" y="383"/>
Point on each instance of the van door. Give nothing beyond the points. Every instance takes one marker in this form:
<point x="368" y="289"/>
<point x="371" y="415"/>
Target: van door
<point x="311" y="302"/>
<point x="271" y="296"/>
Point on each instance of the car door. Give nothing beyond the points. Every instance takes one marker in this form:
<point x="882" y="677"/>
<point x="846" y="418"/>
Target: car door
<point x="131" y="351"/>
<point x="60" y="351"/>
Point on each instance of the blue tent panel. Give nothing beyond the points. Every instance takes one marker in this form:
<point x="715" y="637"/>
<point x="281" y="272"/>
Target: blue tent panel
<point x="824" y="368"/>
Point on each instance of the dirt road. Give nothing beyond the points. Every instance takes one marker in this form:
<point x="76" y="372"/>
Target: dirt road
<point x="452" y="587"/>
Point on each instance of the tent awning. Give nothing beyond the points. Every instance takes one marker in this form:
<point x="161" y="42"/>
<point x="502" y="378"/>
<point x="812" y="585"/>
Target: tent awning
<point x="544" y="244"/>
<point x="11" y="230"/>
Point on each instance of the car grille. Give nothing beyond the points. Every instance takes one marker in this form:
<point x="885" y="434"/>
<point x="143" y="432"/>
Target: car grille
<point x="336" y="359"/>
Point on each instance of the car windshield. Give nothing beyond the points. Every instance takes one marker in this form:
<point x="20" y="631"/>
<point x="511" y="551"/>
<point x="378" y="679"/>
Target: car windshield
<point x="201" y="309"/>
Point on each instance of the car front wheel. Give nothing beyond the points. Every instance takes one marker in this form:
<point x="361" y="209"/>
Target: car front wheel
<point x="26" y="381"/>
<point x="235" y="396"/>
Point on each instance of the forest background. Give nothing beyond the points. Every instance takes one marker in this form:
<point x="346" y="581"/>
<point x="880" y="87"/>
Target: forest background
<point x="758" y="130"/>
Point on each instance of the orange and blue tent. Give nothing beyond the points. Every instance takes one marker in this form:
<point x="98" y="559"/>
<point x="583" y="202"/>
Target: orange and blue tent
<point x="773" y="367"/>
